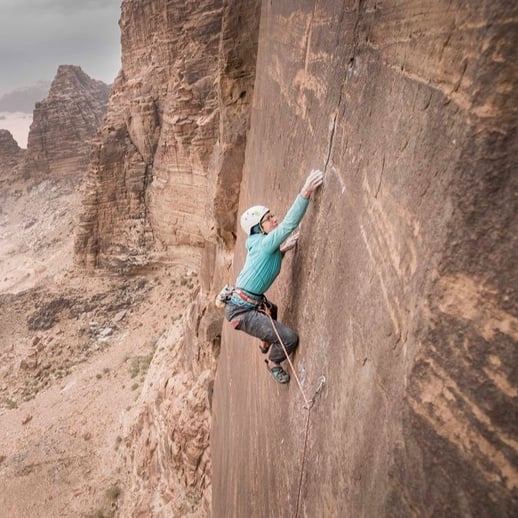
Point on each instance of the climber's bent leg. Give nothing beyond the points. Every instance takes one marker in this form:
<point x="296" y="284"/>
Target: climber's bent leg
<point x="290" y="340"/>
<point x="256" y="323"/>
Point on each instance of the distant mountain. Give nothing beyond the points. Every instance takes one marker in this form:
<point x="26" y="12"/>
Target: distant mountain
<point x="23" y="99"/>
<point x="64" y="123"/>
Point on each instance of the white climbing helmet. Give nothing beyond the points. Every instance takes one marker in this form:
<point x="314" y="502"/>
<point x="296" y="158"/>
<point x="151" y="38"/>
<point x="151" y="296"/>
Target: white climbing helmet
<point x="252" y="217"/>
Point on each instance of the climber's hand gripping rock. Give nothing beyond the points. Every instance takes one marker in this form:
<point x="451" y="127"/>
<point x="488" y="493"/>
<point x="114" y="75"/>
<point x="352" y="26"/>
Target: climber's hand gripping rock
<point x="313" y="181"/>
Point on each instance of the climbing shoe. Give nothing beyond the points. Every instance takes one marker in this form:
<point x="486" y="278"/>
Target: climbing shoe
<point x="278" y="373"/>
<point x="264" y="347"/>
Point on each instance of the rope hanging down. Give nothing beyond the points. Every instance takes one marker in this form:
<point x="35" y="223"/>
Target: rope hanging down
<point x="308" y="404"/>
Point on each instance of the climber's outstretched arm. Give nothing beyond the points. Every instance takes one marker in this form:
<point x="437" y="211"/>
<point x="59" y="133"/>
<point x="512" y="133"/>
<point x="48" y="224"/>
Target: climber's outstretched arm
<point x="293" y="217"/>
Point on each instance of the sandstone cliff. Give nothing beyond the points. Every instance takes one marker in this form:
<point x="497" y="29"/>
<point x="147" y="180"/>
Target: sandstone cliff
<point x="165" y="141"/>
<point x="163" y="187"/>
<point x="64" y="125"/>
<point x="401" y="286"/>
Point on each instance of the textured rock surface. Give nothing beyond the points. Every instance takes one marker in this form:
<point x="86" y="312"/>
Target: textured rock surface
<point x="172" y="127"/>
<point x="64" y="124"/>
<point x="167" y="441"/>
<point x="10" y="155"/>
<point x="402" y="288"/>
<point x="159" y="136"/>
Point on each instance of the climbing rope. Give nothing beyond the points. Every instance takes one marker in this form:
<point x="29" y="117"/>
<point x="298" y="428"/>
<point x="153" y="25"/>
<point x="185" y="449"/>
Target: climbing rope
<point x="308" y="404"/>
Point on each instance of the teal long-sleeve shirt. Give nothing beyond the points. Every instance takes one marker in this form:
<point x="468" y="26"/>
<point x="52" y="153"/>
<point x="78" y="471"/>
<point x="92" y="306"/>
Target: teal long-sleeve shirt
<point x="264" y="258"/>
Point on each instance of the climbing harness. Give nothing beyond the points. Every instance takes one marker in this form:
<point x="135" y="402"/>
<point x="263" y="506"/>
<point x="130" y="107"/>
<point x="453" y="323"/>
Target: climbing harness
<point x="256" y="300"/>
<point x="308" y="404"/>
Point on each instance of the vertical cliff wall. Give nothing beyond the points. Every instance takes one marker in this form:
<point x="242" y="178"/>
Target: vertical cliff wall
<point x="402" y="287"/>
<point x="163" y="187"/>
<point x="156" y="169"/>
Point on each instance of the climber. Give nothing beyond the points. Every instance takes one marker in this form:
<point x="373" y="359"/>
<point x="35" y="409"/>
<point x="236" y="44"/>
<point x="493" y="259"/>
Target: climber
<point x="247" y="307"/>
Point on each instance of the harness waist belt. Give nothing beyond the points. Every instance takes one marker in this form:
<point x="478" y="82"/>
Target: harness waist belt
<point x="247" y="298"/>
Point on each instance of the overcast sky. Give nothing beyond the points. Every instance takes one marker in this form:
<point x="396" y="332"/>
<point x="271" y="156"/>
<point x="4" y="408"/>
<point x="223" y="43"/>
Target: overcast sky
<point x="36" y="36"/>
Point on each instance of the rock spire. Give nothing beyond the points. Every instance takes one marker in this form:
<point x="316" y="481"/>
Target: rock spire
<point x="65" y="123"/>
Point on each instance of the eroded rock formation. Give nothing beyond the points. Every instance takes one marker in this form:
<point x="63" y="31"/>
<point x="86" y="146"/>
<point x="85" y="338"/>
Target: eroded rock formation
<point x="11" y="155"/>
<point x="159" y="139"/>
<point x="64" y="125"/>
<point x="163" y="186"/>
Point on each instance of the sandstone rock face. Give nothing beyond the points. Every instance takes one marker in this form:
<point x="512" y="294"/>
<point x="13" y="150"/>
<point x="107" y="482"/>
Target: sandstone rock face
<point x="64" y="124"/>
<point x="401" y="288"/>
<point x="161" y="140"/>
<point x="10" y="155"/>
<point x="167" y="443"/>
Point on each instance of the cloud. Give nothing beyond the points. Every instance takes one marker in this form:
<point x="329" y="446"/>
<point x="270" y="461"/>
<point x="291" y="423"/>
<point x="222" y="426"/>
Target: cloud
<point x="57" y="6"/>
<point x="36" y="36"/>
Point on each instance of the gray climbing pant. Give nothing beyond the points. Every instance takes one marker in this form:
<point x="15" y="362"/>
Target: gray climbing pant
<point x="254" y="322"/>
